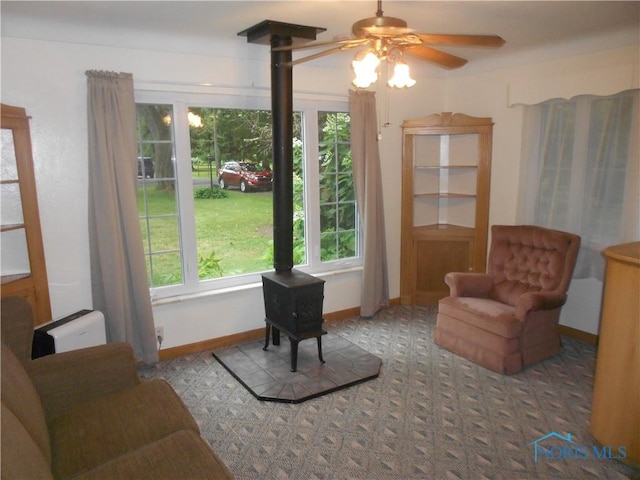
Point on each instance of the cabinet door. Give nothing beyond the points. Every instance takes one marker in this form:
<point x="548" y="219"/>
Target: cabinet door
<point x="434" y="258"/>
<point x="22" y="260"/>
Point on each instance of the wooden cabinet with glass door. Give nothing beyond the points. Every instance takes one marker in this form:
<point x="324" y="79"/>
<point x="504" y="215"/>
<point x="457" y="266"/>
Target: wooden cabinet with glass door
<point x="22" y="265"/>
<point x="446" y="172"/>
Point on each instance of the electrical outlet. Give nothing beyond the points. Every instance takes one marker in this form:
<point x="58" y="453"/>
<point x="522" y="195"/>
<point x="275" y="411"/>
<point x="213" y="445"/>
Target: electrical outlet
<point x="160" y="334"/>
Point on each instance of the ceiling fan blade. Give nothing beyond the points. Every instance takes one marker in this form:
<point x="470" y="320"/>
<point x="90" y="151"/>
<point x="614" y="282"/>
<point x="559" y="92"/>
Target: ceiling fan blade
<point x="436" y="56"/>
<point x="348" y="43"/>
<point x="462" y="40"/>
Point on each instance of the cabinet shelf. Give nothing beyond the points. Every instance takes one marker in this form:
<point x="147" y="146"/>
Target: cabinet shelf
<point x="445" y="167"/>
<point x="443" y="229"/>
<point x="9" y="228"/>
<point x="5" y="279"/>
<point x="444" y="195"/>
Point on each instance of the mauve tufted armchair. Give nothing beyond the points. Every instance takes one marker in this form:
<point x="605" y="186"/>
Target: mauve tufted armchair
<point x="507" y="319"/>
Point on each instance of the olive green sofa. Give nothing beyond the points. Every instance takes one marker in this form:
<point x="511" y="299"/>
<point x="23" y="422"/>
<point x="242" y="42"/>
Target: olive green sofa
<point x="86" y="414"/>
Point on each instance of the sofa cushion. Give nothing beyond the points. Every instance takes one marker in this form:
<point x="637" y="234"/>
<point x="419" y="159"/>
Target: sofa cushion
<point x="16" y="323"/>
<point x="21" y="456"/>
<point x="105" y="428"/>
<point x="68" y="379"/>
<point x="181" y="455"/>
<point x="21" y="398"/>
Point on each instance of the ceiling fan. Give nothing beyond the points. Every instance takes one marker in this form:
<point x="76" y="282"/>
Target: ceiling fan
<point x="384" y="36"/>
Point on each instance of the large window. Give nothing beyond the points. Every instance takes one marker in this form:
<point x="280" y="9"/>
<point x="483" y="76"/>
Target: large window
<point x="205" y="198"/>
<point x="581" y="172"/>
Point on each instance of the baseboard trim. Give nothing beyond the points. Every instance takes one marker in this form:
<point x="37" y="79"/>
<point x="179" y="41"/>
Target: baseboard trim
<point x="211" y="344"/>
<point x="578" y="334"/>
<point x="248" y="336"/>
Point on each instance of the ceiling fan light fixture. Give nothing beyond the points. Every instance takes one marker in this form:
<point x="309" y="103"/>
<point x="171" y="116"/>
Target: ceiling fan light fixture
<point x="365" y="66"/>
<point x="383" y="36"/>
<point x="401" y="77"/>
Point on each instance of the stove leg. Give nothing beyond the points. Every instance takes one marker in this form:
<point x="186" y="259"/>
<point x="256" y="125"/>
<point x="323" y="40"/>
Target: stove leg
<point x="266" y="337"/>
<point x="320" y="350"/>
<point x="294" y="354"/>
<point x="276" y="335"/>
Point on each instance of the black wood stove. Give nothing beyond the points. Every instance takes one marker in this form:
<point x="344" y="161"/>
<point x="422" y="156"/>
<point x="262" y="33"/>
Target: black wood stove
<point x="292" y="299"/>
<point x="293" y="306"/>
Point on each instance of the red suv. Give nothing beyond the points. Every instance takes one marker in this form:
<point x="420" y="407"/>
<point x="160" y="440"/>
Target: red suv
<point x="245" y="175"/>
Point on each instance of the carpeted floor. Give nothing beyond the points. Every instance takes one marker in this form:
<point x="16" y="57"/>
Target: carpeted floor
<point x="429" y="414"/>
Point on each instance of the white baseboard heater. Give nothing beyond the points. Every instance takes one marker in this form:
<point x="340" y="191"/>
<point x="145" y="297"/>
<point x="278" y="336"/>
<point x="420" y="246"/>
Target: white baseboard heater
<point x="84" y="328"/>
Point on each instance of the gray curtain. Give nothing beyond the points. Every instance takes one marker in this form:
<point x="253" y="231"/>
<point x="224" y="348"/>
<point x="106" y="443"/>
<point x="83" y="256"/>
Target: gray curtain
<point x="368" y="186"/>
<point x="118" y="272"/>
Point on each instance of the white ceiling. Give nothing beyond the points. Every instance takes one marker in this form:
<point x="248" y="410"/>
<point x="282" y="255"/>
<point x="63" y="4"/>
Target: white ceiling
<point x="203" y="27"/>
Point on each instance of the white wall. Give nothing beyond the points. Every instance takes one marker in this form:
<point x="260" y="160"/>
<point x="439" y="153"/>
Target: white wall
<point x="47" y="78"/>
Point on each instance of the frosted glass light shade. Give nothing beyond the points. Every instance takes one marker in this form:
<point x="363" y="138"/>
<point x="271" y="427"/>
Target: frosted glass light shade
<point x="401" y="77"/>
<point x="365" y="65"/>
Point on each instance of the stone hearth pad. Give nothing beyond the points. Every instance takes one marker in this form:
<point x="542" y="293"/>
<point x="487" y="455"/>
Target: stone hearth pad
<point x="267" y="375"/>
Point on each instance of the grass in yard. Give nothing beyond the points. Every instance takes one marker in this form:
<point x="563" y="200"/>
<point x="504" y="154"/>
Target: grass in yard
<point x="237" y="230"/>
<point x="203" y="172"/>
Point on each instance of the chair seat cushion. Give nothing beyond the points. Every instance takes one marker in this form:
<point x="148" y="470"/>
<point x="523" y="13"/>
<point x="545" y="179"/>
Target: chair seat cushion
<point x="102" y="429"/>
<point x="483" y="313"/>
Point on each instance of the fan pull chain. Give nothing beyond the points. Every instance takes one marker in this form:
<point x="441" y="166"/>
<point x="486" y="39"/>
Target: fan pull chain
<point x="383" y="104"/>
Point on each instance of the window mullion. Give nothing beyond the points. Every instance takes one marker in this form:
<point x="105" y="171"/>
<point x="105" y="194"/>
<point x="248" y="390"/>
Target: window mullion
<point x="312" y="185"/>
<point x="186" y="209"/>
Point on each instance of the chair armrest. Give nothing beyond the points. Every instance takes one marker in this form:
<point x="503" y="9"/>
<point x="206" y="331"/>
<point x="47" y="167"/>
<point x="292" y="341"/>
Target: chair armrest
<point x="464" y="284"/>
<point x="533" y="301"/>
<point x="65" y="380"/>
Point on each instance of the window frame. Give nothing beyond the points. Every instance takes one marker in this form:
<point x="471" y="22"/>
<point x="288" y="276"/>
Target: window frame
<point x="309" y="107"/>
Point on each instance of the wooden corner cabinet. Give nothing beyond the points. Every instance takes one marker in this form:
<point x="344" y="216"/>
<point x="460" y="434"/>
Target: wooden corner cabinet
<point x="22" y="264"/>
<point x="446" y="175"/>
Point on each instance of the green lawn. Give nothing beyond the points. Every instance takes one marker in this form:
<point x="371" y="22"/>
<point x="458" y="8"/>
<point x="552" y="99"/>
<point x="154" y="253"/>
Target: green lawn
<point x="237" y="230"/>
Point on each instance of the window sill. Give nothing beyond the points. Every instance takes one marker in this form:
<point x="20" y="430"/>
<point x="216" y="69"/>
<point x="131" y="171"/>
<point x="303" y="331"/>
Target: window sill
<point x="187" y="297"/>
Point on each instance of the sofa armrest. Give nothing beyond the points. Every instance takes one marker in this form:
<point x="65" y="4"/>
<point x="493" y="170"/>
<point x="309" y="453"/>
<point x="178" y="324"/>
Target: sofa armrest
<point x="533" y="301"/>
<point x="463" y="284"/>
<point x="65" y="380"/>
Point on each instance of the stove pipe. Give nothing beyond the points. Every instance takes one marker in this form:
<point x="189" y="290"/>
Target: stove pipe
<point x="282" y="115"/>
<point x="279" y="34"/>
